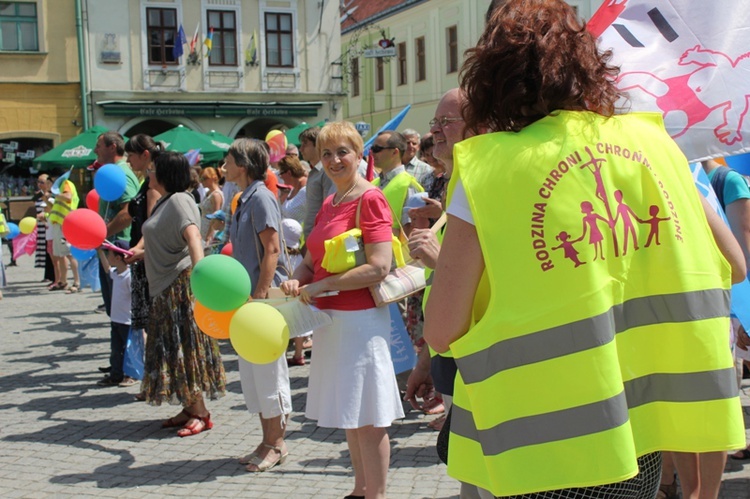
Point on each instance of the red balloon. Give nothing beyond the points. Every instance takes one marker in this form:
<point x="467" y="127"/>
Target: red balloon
<point x="92" y="200"/>
<point x="227" y="249"/>
<point x="84" y="229"/>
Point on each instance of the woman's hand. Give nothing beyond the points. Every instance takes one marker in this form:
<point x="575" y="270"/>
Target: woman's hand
<point x="432" y="209"/>
<point x="290" y="287"/>
<point x="424" y="246"/>
<point x="138" y="253"/>
<point x="308" y="293"/>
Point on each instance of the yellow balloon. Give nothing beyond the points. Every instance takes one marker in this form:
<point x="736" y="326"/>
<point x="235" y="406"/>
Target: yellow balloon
<point x="272" y="134"/>
<point x="27" y="225"/>
<point x="259" y="333"/>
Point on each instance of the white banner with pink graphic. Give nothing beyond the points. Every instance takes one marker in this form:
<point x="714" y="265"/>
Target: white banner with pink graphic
<point x="689" y="60"/>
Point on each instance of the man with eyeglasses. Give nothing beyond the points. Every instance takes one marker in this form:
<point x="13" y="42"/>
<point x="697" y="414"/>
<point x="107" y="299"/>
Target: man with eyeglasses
<point x="413" y="165"/>
<point x="397" y="185"/>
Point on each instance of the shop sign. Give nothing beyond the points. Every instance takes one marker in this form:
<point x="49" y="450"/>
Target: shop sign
<point x="213" y="111"/>
<point x="76" y="152"/>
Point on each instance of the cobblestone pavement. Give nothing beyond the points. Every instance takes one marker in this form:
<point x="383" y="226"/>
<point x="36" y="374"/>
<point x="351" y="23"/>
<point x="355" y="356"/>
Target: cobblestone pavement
<point x="62" y="436"/>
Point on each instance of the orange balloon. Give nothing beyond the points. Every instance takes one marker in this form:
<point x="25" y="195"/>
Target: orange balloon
<point x="213" y="323"/>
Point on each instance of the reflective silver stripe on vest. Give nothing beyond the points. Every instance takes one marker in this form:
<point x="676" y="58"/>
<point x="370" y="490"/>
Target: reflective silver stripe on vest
<point x="682" y="387"/>
<point x="593" y="332"/>
<point x="543" y="428"/>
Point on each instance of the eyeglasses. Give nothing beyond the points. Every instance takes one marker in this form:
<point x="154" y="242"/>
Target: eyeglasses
<point x="443" y="120"/>
<point x="377" y="148"/>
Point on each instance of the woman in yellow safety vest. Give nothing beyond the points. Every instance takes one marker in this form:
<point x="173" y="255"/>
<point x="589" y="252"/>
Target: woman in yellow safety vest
<point x="599" y="258"/>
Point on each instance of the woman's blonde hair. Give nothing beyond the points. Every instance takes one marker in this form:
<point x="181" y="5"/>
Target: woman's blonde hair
<point x="210" y="172"/>
<point x="340" y="130"/>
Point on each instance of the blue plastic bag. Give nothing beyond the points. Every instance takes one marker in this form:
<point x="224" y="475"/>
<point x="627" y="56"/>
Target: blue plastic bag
<point x="132" y="365"/>
<point x="89" y="272"/>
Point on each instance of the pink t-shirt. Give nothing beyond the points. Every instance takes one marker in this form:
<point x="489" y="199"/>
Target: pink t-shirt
<point x="375" y="221"/>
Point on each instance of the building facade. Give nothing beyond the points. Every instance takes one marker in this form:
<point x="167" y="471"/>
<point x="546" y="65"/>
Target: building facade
<point x="40" y="94"/>
<point x="271" y="64"/>
<point x="400" y="52"/>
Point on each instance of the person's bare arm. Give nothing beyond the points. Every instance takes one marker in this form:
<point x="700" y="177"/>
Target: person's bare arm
<point x="726" y="242"/>
<point x="120" y="222"/>
<point x="269" y="238"/>
<point x="738" y="215"/>
<point x="192" y="236"/>
<point x="457" y="274"/>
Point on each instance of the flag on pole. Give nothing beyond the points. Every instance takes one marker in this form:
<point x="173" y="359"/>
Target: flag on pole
<point x="689" y="61"/>
<point x="370" y="168"/>
<point x="193" y="156"/>
<point x="251" y="54"/>
<point x="194" y="40"/>
<point x="391" y="125"/>
<point x="178" y="50"/>
<point x="209" y="41"/>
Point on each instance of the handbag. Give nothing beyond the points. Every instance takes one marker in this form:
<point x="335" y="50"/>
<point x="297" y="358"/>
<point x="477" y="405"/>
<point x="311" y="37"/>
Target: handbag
<point x="403" y="280"/>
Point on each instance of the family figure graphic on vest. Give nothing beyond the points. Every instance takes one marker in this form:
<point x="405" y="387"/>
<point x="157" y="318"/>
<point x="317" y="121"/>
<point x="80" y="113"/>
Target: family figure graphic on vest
<point x="622" y="213"/>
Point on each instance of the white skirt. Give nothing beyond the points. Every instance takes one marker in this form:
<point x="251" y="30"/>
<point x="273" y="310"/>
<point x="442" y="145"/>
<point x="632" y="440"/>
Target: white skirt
<point x="352" y="383"/>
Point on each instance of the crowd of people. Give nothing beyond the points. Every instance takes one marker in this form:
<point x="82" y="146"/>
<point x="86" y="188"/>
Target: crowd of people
<point x="542" y="331"/>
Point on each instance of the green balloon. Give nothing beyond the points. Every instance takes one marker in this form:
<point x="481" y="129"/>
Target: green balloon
<point x="220" y="283"/>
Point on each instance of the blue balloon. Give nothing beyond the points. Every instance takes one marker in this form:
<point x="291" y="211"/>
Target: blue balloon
<point x="82" y="255"/>
<point x="13" y="231"/>
<point x="109" y="182"/>
<point x="741" y="163"/>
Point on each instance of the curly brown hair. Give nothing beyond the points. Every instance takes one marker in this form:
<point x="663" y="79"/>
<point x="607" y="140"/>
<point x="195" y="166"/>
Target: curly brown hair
<point x="534" y="57"/>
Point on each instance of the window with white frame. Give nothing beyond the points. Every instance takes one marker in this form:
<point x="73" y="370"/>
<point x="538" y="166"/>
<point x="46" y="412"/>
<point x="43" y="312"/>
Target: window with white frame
<point x="355" y="76"/>
<point x="161" y="32"/>
<point x="19" y="26"/>
<point x="420" y="69"/>
<point x="379" y="74"/>
<point x="451" y="46"/>
<point x="279" y="40"/>
<point x="224" y="42"/>
<point x="401" y="51"/>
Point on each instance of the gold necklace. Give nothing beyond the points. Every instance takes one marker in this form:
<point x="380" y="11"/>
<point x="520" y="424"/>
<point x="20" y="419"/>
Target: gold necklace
<point x="333" y="201"/>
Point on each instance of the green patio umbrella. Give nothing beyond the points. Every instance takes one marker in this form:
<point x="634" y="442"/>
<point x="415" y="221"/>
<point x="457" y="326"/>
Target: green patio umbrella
<point x="219" y="139"/>
<point x="183" y="139"/>
<point x="292" y="135"/>
<point x="77" y="152"/>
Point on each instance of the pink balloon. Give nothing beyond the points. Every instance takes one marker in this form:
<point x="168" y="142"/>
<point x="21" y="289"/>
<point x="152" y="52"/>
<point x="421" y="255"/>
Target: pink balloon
<point x="92" y="200"/>
<point x="227" y="249"/>
<point x="276" y="141"/>
<point x="84" y="229"/>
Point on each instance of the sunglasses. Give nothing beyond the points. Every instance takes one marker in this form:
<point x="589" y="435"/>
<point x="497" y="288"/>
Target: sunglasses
<point x="377" y="148"/>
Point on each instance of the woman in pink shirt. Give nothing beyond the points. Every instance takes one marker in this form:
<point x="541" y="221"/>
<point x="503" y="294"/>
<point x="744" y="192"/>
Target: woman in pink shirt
<point x="352" y="384"/>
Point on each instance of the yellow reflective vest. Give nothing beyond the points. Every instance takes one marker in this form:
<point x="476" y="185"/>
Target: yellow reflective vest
<point x="60" y="209"/>
<point x="606" y="331"/>
<point x="395" y="193"/>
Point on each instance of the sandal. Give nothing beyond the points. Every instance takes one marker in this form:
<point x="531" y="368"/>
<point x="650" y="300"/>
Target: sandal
<point x="262" y="465"/>
<point x="433" y="404"/>
<point x="202" y="423"/>
<point x="248" y="458"/>
<point x="668" y="490"/>
<point x="58" y="286"/>
<point x="741" y="455"/>
<point x="75" y="288"/>
<point x="178" y="420"/>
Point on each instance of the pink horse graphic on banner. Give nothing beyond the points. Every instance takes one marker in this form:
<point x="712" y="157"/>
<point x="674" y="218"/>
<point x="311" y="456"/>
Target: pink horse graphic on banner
<point x="688" y="98"/>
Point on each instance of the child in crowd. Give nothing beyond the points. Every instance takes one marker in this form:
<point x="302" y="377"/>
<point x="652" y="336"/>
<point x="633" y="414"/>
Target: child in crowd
<point x="114" y="264"/>
<point x="292" y="232"/>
